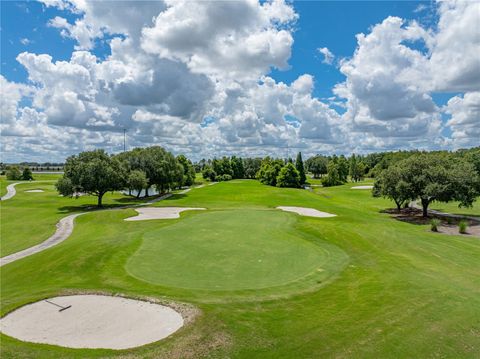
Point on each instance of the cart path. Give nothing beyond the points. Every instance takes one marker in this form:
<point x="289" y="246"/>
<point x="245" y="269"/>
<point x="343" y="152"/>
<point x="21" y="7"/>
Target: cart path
<point x="64" y="230"/>
<point x="10" y="191"/>
<point x="444" y="214"/>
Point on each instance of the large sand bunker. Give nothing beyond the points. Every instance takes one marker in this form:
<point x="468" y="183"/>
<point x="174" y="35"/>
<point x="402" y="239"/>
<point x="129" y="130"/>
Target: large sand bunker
<point x="160" y="213"/>
<point x="92" y="321"/>
<point x="35" y="191"/>
<point x="362" y="187"/>
<point x="310" y="212"/>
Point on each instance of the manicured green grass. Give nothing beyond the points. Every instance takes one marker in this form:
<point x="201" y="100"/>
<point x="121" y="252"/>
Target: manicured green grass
<point x="30" y="218"/>
<point x="232" y="250"/>
<point x="404" y="293"/>
<point x="50" y="177"/>
<point x="452" y="207"/>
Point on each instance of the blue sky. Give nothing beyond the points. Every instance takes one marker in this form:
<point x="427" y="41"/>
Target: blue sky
<point x="399" y="87"/>
<point x="331" y="24"/>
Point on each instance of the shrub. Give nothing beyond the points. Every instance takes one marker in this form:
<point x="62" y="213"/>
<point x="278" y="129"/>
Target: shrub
<point x="462" y="226"/>
<point x="14" y="174"/>
<point x="224" y="177"/>
<point x="434" y="223"/>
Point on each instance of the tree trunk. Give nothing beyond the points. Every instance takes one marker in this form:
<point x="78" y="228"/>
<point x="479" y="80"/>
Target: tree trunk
<point x="146" y="191"/>
<point x="100" y="196"/>
<point x="425" y="203"/>
<point x="138" y="193"/>
<point x="399" y="205"/>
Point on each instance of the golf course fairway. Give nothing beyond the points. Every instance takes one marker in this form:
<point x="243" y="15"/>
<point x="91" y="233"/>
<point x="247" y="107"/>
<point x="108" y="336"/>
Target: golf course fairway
<point x="387" y="288"/>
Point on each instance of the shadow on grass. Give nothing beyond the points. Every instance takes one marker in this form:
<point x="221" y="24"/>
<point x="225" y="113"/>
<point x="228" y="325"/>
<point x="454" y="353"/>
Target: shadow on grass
<point x="176" y="196"/>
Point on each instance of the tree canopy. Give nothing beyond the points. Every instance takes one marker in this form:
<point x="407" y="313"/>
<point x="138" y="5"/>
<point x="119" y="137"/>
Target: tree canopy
<point x="300" y="168"/>
<point x="317" y="165"/>
<point x="430" y="177"/>
<point x="288" y="176"/>
<point x="92" y="172"/>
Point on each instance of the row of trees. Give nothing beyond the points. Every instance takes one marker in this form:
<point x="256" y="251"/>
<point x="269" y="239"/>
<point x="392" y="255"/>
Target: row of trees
<point x="431" y="177"/>
<point x="280" y="173"/>
<point x="96" y="172"/>
<point x="227" y="168"/>
<point x="335" y="170"/>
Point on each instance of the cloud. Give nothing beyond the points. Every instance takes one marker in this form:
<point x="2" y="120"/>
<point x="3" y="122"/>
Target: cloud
<point x="464" y="119"/>
<point x="328" y="56"/>
<point x="238" y="38"/>
<point x="25" y="41"/>
<point x="398" y="65"/>
<point x="454" y="61"/>
<point x="174" y="64"/>
<point x="385" y="96"/>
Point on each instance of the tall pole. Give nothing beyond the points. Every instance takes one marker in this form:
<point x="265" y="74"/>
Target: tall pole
<point x="124" y="139"/>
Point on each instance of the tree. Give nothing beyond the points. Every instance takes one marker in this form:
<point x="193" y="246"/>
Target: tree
<point x="439" y="177"/>
<point x="209" y="173"/>
<point x="27" y="174"/>
<point x="162" y="168"/>
<point x="317" y="165"/>
<point x="13" y="174"/>
<point x="92" y="172"/>
<point x="300" y="168"/>
<point x="237" y="167"/>
<point x="137" y="180"/>
<point x="389" y="184"/>
<point x="357" y="169"/>
<point x="343" y="168"/>
<point x="188" y="170"/>
<point x="269" y="170"/>
<point x="333" y="176"/>
<point x="251" y="167"/>
<point x="222" y="166"/>
<point x="288" y="176"/>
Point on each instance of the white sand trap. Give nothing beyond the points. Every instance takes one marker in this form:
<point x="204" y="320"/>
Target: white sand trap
<point x="35" y="191"/>
<point x="146" y="213"/>
<point x="92" y="321"/>
<point x="310" y="212"/>
<point x="361" y="187"/>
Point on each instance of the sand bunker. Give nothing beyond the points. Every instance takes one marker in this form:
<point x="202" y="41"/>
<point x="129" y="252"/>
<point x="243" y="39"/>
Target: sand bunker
<point x="35" y="191"/>
<point x="362" y="187"/>
<point x="310" y="212"/>
<point x="146" y="213"/>
<point x="92" y="321"/>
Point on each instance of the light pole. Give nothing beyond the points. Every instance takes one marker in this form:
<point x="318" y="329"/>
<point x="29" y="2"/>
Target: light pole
<point x="124" y="139"/>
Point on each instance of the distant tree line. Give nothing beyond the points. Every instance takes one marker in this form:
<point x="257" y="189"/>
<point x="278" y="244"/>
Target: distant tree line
<point x="402" y="176"/>
<point x="34" y="166"/>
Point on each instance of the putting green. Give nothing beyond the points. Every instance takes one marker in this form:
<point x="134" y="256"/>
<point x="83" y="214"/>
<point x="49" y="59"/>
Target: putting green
<point x="233" y="250"/>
